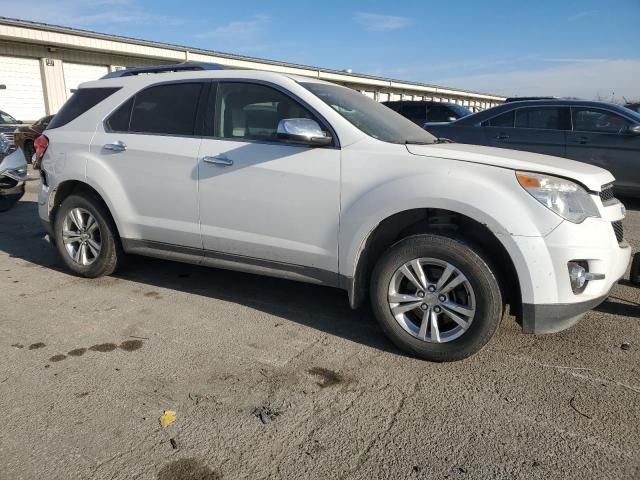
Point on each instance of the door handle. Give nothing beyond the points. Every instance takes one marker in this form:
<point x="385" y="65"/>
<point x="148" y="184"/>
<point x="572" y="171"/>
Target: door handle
<point x="222" y="161"/>
<point x="582" y="140"/>
<point x="502" y="136"/>
<point x="115" y="147"/>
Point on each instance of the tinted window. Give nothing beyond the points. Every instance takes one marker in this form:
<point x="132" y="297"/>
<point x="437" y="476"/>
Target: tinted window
<point x="80" y="102"/>
<point x="368" y="115"/>
<point x="253" y="111"/>
<point x="119" y="120"/>
<point x="538" y="117"/>
<point x="166" y="109"/>
<point x="6" y="118"/>
<point x="414" y="112"/>
<point x="504" y="120"/>
<point x="596" y="120"/>
<point x="441" y="113"/>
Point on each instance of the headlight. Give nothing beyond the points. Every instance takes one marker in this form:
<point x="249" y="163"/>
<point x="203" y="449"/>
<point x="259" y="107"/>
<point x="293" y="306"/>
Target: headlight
<point x="564" y="197"/>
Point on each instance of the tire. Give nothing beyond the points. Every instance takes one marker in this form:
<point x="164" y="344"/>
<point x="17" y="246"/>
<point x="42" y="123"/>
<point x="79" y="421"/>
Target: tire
<point x="634" y="277"/>
<point x="109" y="256"/>
<point x="29" y="150"/>
<point x="478" y="295"/>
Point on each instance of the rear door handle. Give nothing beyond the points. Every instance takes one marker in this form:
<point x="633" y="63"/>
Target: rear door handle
<point x="222" y="161"/>
<point x="502" y="136"/>
<point x="115" y="147"/>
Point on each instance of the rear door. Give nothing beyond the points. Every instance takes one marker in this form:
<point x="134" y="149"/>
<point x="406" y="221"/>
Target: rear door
<point x="532" y="129"/>
<point x="150" y="143"/>
<point x="599" y="137"/>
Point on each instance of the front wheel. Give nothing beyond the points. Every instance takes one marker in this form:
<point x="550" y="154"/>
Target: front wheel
<point x="435" y="297"/>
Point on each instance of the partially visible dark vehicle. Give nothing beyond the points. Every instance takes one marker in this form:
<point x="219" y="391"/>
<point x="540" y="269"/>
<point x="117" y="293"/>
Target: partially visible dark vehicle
<point x="7" y="125"/>
<point x="522" y="99"/>
<point x="13" y="174"/>
<point x="602" y="134"/>
<point x="25" y="135"/>
<point x="633" y="106"/>
<point x="422" y="112"/>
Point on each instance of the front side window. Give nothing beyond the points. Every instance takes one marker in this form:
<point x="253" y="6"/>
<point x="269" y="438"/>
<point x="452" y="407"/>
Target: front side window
<point x="597" y="121"/>
<point x="504" y="120"/>
<point x="544" y="118"/>
<point x="369" y="116"/>
<point x="165" y="109"/>
<point x="252" y="111"/>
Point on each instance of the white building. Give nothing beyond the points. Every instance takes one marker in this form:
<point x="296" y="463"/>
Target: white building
<point x="41" y="65"/>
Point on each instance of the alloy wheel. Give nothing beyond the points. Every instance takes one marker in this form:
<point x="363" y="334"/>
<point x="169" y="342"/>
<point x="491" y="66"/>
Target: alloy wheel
<point x="81" y="236"/>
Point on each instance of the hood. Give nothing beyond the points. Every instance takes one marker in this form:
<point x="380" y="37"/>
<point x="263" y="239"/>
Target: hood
<point x="588" y="175"/>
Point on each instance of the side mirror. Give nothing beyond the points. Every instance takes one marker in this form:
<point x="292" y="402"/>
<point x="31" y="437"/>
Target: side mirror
<point x="452" y="119"/>
<point x="304" y="131"/>
<point x="634" y="129"/>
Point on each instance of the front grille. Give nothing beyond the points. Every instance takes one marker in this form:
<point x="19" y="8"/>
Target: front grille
<point x="8" y="136"/>
<point x="606" y="194"/>
<point x="619" y="230"/>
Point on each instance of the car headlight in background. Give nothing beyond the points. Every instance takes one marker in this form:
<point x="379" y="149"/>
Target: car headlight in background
<point x="564" y="197"/>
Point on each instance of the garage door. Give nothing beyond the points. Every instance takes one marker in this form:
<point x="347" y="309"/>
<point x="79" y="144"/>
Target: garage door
<point x="21" y="93"/>
<point x="77" y="73"/>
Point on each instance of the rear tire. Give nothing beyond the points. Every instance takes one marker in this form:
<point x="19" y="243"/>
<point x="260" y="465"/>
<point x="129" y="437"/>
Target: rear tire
<point x="86" y="237"/>
<point x="435" y="297"/>
<point x="634" y="277"/>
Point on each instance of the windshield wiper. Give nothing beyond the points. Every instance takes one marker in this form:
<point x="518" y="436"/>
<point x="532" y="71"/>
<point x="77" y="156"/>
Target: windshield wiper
<point x="444" y="140"/>
<point x="417" y="142"/>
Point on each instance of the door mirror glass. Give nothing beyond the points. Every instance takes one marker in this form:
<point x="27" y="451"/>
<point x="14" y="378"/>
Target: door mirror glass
<point x="302" y="130"/>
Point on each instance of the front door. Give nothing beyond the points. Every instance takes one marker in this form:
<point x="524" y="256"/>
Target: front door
<point x="150" y="145"/>
<point x="599" y="137"/>
<point x="261" y="197"/>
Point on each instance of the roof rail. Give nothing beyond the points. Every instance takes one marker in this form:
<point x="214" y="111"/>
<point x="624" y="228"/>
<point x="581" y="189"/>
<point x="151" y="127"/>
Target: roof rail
<point x="177" y="67"/>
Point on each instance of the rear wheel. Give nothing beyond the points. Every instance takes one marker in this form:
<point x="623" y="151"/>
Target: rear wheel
<point x="635" y="269"/>
<point x="435" y="297"/>
<point x="86" y="237"/>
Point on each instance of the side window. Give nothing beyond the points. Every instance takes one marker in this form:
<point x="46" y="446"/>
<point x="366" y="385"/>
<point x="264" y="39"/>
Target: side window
<point x="119" y="120"/>
<point x="415" y="112"/>
<point x="81" y="101"/>
<point x="166" y="109"/>
<point x="597" y="121"/>
<point x="504" y="120"/>
<point x="545" y="118"/>
<point x="252" y="111"/>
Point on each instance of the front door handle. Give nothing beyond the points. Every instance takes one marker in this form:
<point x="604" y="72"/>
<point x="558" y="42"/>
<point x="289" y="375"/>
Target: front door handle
<point x="502" y="136"/>
<point x="115" y="147"/>
<point x="222" y="161"/>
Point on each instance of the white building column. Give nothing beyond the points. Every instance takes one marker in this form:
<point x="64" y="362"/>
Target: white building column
<point x="52" y="84"/>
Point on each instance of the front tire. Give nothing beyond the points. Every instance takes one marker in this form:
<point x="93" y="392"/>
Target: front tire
<point x="435" y="297"/>
<point x="86" y="237"/>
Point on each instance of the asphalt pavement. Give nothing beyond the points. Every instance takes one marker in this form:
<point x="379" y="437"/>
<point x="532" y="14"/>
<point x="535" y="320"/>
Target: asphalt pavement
<point x="272" y="379"/>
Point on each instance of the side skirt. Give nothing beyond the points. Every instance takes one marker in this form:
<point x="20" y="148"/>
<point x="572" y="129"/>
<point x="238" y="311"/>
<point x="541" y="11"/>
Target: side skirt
<point x="229" y="261"/>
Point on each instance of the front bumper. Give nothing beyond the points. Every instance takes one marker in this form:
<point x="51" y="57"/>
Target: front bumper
<point x="548" y="302"/>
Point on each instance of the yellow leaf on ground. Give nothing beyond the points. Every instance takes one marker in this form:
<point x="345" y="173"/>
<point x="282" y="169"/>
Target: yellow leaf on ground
<point x="167" y="418"/>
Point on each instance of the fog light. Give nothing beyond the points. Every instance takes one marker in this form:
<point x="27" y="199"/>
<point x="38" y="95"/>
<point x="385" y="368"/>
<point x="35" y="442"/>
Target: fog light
<point x="578" y="276"/>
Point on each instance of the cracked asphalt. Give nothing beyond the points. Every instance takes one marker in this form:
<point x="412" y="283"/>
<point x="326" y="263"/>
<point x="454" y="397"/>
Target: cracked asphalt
<point x="272" y="379"/>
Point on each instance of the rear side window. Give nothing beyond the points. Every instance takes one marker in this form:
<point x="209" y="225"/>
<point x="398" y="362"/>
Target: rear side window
<point x="504" y="120"/>
<point x="81" y="101"/>
<point x="166" y="109"/>
<point x="119" y="120"/>
<point x="540" y="118"/>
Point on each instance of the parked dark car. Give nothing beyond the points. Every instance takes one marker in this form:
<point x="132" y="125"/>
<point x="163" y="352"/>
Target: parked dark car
<point x="25" y="135"/>
<point x="7" y="125"/>
<point x="633" y="106"/>
<point x="421" y="112"/>
<point x="599" y="133"/>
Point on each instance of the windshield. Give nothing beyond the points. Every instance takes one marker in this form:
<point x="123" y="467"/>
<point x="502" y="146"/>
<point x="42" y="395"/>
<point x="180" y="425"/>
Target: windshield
<point x="459" y="110"/>
<point x="5" y="118"/>
<point x="371" y="117"/>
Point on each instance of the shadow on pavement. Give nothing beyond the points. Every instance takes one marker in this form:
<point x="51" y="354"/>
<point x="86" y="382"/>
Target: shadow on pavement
<point x="326" y="309"/>
<point x="619" y="306"/>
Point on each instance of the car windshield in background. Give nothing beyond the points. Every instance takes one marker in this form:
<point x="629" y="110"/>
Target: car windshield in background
<point x="7" y="119"/>
<point x="459" y="110"/>
<point x="371" y="117"/>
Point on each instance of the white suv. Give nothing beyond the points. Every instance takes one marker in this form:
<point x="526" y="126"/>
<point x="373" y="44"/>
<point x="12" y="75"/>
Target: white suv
<point x="297" y="178"/>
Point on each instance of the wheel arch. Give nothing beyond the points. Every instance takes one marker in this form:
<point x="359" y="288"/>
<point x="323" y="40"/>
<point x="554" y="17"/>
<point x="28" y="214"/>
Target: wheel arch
<point x="436" y="220"/>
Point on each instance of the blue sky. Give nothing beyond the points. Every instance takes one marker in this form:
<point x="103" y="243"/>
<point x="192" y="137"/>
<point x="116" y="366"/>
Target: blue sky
<point x="585" y="48"/>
